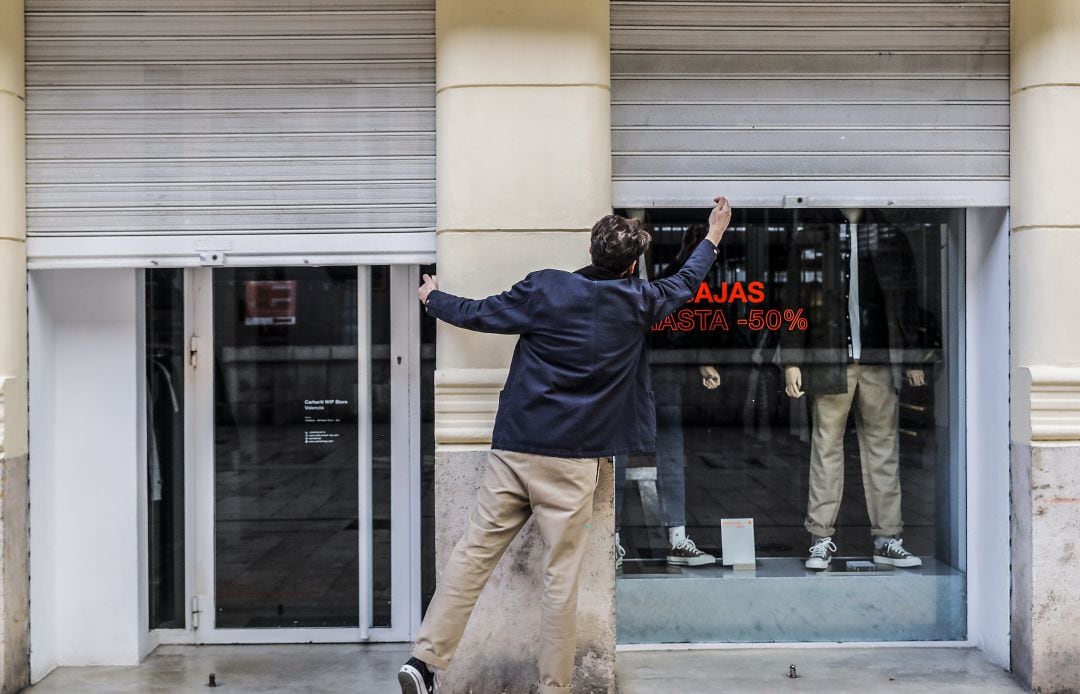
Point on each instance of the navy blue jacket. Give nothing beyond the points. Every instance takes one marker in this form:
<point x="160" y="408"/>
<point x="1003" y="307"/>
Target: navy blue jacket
<point x="578" y="385"/>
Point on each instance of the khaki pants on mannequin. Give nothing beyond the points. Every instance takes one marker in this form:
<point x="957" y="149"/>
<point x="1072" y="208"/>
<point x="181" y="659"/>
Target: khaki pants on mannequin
<point x="559" y="493"/>
<point x="871" y="389"/>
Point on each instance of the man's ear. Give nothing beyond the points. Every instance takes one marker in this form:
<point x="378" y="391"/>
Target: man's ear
<point x="633" y="269"/>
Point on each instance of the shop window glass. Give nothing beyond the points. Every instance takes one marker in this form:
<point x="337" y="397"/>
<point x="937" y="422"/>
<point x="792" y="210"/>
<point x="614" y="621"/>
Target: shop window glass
<point x="165" y="353"/>
<point x="854" y="312"/>
<point x="427" y="450"/>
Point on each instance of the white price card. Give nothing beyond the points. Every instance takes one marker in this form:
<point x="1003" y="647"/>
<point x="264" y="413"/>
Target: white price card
<point x="737" y="534"/>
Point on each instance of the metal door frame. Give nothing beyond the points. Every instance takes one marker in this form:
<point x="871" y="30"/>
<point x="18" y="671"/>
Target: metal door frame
<point x="405" y="473"/>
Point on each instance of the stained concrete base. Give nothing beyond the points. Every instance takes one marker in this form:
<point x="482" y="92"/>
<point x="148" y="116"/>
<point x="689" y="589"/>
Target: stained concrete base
<point x="498" y="651"/>
<point x="341" y="669"/>
<point x="1045" y="572"/>
<point x="14" y="573"/>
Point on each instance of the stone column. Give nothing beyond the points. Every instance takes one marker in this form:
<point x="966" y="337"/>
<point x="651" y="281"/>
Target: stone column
<point x="14" y="537"/>
<point x="523" y="172"/>
<point x="1045" y="344"/>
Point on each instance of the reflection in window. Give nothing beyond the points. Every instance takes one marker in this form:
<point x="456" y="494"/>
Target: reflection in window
<point x="165" y="352"/>
<point x="850" y="311"/>
<point x="427" y="450"/>
<point x="286" y="512"/>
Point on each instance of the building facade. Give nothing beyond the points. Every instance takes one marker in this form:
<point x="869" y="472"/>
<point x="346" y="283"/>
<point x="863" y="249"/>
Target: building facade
<point x="225" y="418"/>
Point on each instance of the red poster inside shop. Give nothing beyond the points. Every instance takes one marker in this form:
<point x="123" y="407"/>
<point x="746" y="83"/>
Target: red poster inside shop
<point x="270" y="302"/>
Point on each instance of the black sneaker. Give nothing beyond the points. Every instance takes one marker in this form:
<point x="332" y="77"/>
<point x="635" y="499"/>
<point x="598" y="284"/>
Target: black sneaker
<point x="416" y="678"/>
<point x="893" y="553"/>
<point x="685" y="553"/>
<point x="821" y="553"/>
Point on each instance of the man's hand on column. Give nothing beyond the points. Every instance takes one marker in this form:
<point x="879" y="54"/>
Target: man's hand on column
<point x="793" y="382"/>
<point x="430" y="284"/>
<point x="710" y="377"/>
<point x="719" y="219"/>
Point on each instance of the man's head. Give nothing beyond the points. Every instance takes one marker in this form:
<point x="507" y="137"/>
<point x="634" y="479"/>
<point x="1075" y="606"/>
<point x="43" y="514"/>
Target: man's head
<point x="617" y="242"/>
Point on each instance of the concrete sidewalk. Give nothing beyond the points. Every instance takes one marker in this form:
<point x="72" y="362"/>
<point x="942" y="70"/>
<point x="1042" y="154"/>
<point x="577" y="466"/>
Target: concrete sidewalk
<point x="370" y="669"/>
<point x="831" y="670"/>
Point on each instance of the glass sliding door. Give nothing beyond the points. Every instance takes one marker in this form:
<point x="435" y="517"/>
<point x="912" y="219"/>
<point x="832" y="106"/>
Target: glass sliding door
<point x="304" y="462"/>
<point x="286" y="509"/>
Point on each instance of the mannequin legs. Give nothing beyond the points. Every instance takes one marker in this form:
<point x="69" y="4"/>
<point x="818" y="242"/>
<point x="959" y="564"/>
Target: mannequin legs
<point x="870" y="388"/>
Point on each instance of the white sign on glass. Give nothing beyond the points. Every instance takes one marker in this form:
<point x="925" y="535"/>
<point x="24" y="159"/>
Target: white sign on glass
<point x="737" y="535"/>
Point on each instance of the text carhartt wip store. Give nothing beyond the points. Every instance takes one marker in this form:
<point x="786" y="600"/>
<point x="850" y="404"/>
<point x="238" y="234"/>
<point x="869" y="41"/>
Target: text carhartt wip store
<point x="241" y="431"/>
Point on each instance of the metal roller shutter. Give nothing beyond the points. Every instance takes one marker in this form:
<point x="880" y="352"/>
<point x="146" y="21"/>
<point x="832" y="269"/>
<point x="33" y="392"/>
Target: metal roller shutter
<point x="822" y="103"/>
<point x="157" y="129"/>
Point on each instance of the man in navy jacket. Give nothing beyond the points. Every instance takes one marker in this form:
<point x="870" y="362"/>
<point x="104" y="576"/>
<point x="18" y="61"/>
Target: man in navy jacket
<point x="577" y="393"/>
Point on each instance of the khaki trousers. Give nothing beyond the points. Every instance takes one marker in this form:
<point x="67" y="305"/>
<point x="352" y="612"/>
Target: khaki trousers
<point x="877" y="426"/>
<point x="559" y="493"/>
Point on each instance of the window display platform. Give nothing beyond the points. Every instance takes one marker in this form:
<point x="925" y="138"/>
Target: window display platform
<point x="658" y="603"/>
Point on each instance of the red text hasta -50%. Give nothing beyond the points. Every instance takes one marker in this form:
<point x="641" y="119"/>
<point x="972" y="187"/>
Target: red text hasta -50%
<point x="774" y="319"/>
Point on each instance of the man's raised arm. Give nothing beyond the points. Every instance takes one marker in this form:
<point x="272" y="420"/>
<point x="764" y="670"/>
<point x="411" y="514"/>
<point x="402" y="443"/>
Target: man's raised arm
<point x="508" y="313"/>
<point x="672" y="292"/>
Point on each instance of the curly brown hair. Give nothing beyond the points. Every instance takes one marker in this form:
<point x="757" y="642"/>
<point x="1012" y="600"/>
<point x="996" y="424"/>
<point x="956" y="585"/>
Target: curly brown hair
<point x="617" y="242"/>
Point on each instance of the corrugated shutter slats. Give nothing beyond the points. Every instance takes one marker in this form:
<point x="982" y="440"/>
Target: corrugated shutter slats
<point x="808" y="91"/>
<point x="230" y="117"/>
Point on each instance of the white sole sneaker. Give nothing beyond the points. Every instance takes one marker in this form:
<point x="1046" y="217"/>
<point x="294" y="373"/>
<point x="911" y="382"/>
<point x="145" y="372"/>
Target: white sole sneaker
<point x="411" y="681"/>
<point x="906" y="563"/>
<point x="694" y="561"/>
<point x="817" y="564"/>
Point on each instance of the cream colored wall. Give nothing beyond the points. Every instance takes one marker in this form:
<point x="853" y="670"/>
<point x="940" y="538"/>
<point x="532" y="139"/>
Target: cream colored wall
<point x="1045" y="221"/>
<point x="14" y="483"/>
<point x="12" y="227"/>
<point x="1045" y="342"/>
<point x="523" y="169"/>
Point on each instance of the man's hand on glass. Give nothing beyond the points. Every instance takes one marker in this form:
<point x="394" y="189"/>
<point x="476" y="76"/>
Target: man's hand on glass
<point x="430" y="284"/>
<point x="710" y="377"/>
<point x="719" y="219"/>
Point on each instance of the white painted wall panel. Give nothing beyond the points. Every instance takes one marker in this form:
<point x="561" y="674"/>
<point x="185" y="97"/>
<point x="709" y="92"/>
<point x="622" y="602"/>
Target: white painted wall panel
<point x="229" y="118"/>
<point x="987" y="386"/>
<point x="898" y="92"/>
<point x="87" y="470"/>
